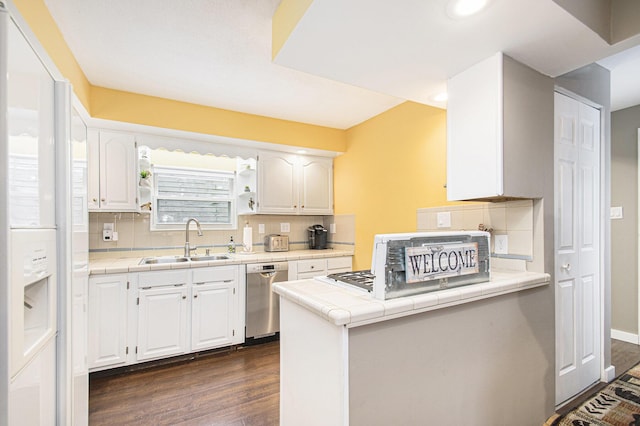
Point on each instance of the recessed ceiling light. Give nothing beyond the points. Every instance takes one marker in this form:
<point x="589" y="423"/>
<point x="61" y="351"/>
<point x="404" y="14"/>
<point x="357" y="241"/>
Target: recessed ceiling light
<point x="440" y="97"/>
<point x="463" y="8"/>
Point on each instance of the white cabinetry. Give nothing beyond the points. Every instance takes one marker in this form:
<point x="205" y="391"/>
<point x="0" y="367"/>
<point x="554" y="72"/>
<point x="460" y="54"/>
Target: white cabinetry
<point x="162" y="320"/>
<point x="113" y="171"/>
<point x="499" y="121"/>
<point x="309" y="268"/>
<point x="292" y="184"/>
<point x="214" y="308"/>
<point x="162" y="314"/>
<point x="107" y="320"/>
<point x="166" y="313"/>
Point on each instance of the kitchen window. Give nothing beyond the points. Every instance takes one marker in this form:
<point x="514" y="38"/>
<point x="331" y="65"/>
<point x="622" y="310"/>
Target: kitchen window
<point x="183" y="193"/>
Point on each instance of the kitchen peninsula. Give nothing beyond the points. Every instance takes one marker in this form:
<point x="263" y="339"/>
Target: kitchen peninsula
<point x="466" y="355"/>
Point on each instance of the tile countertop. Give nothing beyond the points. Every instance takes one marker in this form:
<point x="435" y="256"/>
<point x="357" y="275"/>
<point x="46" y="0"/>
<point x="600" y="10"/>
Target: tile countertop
<point x="131" y="264"/>
<point x="352" y="308"/>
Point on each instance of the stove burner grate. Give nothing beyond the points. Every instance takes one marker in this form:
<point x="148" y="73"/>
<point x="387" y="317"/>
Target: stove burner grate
<point x="362" y="279"/>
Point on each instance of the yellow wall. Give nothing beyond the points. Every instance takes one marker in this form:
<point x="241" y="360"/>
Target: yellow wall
<point x="158" y="112"/>
<point x="394" y="164"/>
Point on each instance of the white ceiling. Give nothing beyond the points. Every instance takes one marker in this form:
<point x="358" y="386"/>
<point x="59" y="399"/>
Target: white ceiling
<point x="345" y="62"/>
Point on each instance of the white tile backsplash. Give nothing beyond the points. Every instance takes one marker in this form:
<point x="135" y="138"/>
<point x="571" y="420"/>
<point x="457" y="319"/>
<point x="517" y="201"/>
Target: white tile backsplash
<point x="513" y="218"/>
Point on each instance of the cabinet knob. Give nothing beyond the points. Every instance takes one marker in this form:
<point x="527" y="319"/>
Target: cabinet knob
<point x="302" y="207"/>
<point x="195" y="296"/>
<point x="103" y="200"/>
<point x="184" y="297"/>
<point x="95" y="200"/>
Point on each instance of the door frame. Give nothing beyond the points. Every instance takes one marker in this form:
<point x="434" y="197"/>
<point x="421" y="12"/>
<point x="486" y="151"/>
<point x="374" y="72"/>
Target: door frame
<point x="607" y="373"/>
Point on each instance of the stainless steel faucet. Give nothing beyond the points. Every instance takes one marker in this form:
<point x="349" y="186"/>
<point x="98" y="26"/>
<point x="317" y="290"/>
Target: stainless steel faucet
<point x="187" y="248"/>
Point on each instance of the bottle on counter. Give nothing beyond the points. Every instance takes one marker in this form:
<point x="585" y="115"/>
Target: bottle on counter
<point x="232" y="245"/>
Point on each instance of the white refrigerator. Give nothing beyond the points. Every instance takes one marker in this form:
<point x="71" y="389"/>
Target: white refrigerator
<point x="41" y="383"/>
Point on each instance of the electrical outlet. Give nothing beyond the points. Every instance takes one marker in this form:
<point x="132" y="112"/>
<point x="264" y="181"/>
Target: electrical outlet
<point x="616" y="213"/>
<point x="284" y="227"/>
<point x="501" y="244"/>
<point x="332" y="228"/>
<point x="443" y="219"/>
<point x="261" y="228"/>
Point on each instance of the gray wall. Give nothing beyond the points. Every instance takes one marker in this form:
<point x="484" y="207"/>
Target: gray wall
<point x="624" y="241"/>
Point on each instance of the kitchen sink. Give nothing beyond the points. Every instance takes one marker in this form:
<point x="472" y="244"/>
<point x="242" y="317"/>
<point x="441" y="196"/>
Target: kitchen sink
<point x="163" y="259"/>
<point x="177" y="259"/>
<point x="211" y="257"/>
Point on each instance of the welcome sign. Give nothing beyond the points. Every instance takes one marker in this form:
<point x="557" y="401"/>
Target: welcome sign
<point x="434" y="261"/>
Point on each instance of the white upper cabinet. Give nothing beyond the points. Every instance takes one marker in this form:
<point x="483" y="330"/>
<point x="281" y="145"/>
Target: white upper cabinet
<point x="293" y="184"/>
<point x="499" y="131"/>
<point x="113" y="171"/>
<point x="316" y="185"/>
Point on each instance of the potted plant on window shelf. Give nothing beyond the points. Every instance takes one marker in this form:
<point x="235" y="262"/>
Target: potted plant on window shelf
<point x="145" y="178"/>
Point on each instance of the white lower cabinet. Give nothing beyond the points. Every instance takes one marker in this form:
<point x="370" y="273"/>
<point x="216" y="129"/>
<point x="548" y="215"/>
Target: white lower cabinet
<point x="162" y="322"/>
<point x="107" y="317"/>
<point x="164" y="313"/>
<point x="214" y="305"/>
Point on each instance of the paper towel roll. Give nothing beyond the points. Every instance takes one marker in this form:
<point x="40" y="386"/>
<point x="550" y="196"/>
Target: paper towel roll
<point x="247" y="236"/>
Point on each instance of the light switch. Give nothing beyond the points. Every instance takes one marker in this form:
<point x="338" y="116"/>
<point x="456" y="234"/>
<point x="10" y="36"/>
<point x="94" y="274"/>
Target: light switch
<point x="284" y="227"/>
<point x="501" y="244"/>
<point x="443" y="219"/>
<point x="616" y="212"/>
<point x="332" y="228"/>
<point x="261" y="228"/>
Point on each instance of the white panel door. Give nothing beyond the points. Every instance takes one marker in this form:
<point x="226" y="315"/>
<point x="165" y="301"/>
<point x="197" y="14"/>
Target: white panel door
<point x="162" y="322"/>
<point x="577" y="246"/>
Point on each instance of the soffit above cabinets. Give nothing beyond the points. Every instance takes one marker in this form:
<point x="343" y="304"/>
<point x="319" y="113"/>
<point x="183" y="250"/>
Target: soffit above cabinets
<point x="344" y="61"/>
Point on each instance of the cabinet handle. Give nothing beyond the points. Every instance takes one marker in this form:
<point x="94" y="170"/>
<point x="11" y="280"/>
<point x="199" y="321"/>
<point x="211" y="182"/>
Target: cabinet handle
<point x="184" y="297"/>
<point x="95" y="200"/>
<point x="295" y="206"/>
<point x="103" y="200"/>
<point x="195" y="296"/>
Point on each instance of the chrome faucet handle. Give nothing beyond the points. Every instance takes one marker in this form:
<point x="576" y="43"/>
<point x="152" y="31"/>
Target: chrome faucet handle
<point x="207" y="252"/>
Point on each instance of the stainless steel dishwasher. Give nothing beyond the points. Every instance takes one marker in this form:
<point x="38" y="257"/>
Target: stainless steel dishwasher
<point x="263" y="306"/>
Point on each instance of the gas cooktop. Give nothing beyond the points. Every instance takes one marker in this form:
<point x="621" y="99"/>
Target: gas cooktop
<point x="361" y="279"/>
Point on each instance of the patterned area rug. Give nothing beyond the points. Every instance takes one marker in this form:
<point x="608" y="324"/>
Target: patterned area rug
<point x="616" y="404"/>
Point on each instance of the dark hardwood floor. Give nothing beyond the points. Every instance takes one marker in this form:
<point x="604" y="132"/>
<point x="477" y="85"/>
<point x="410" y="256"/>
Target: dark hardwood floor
<point x="239" y="387"/>
<point x="229" y="388"/>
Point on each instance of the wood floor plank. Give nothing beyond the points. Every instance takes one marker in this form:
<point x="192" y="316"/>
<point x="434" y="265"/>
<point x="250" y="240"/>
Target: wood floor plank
<point x="234" y="388"/>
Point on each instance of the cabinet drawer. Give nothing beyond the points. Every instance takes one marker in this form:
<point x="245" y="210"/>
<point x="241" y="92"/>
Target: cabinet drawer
<point x="162" y="278"/>
<point x="222" y="273"/>
<point x="312" y="265"/>
<point x="339" y="263"/>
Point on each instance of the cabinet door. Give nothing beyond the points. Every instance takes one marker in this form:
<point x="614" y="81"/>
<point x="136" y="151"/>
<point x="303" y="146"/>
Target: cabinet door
<point x="162" y="322"/>
<point x="475" y="132"/>
<point x="316" y="185"/>
<point x="107" y="320"/>
<point x="212" y="315"/>
<point x="277" y="183"/>
<point x="118" y="172"/>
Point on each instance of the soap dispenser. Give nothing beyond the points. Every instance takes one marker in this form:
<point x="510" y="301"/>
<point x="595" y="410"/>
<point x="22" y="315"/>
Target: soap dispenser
<point x="232" y="245"/>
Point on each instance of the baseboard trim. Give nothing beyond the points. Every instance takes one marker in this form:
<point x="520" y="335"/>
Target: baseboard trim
<point x="625" y="336"/>
<point x="609" y="374"/>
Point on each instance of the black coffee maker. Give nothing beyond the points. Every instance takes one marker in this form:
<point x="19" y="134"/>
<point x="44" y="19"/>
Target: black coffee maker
<point x="317" y="237"/>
